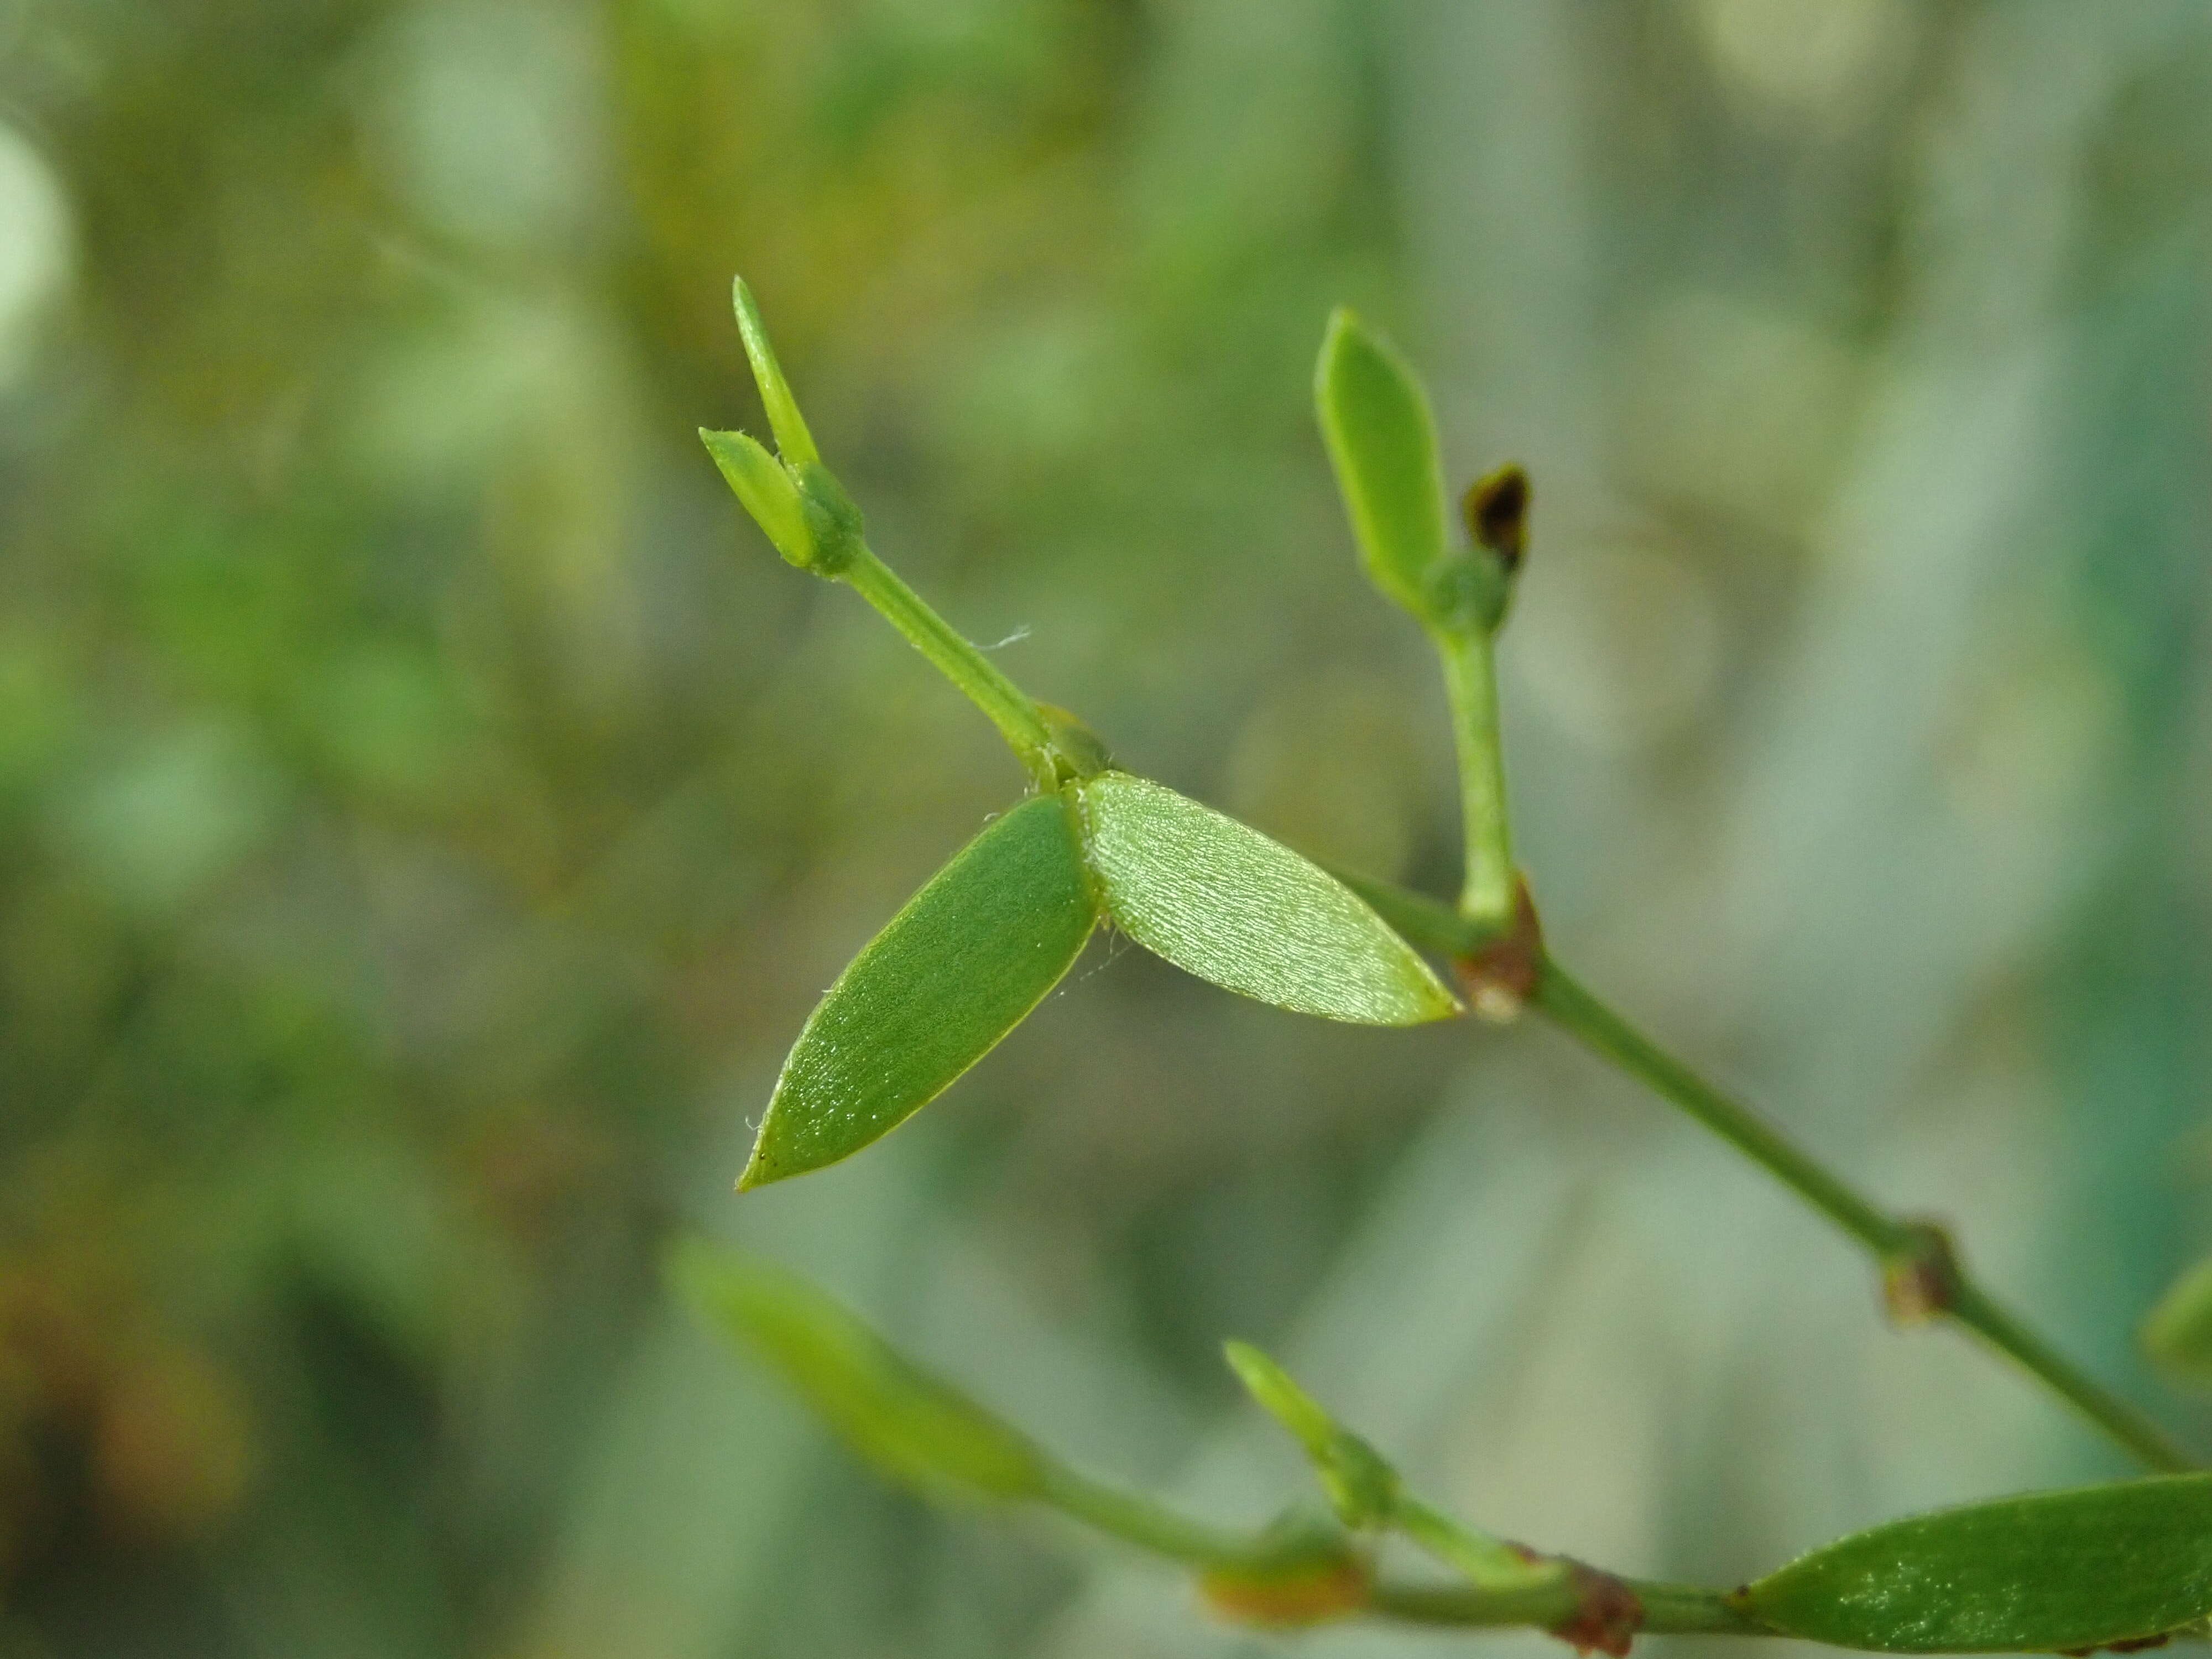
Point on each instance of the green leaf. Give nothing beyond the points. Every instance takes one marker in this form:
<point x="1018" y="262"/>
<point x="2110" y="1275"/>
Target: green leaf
<point x="2057" y="1570"/>
<point x="956" y="971"/>
<point x="914" y="1426"/>
<point x="2177" y="1334"/>
<point x="767" y="489"/>
<point x="1223" y="902"/>
<point x="792" y="437"/>
<point x="1361" y="1487"/>
<point x="1375" y="417"/>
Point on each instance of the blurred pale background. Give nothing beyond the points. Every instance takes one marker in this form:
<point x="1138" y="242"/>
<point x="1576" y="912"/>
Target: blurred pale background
<point x="427" y="811"/>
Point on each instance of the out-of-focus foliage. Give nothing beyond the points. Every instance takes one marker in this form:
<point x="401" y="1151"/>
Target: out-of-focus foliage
<point x="428" y="812"/>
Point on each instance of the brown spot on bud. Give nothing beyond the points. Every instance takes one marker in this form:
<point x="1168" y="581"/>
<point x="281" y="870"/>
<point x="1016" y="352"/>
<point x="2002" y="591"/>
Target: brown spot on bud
<point x="1308" y="1592"/>
<point x="1496" y="507"/>
<point x="1500" y="978"/>
<point x="1920" y="1278"/>
<point x="1606" y="1614"/>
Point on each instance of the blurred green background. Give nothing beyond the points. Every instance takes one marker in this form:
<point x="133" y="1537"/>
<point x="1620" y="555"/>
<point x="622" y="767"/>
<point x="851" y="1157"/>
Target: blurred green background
<point x="428" y="810"/>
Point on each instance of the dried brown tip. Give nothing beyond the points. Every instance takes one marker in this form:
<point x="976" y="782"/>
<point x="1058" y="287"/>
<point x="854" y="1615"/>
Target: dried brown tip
<point x="1606" y="1614"/>
<point x="1920" y="1280"/>
<point x="1497" y="510"/>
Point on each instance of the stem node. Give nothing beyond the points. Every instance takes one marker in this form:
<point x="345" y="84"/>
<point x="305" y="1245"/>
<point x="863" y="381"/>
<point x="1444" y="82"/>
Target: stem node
<point x="1607" y="1616"/>
<point x="1501" y="978"/>
<point x="1920" y="1278"/>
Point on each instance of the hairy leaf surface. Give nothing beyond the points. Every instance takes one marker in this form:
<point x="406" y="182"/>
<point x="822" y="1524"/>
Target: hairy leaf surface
<point x="956" y="970"/>
<point x="2057" y="1570"/>
<point x="1221" y="901"/>
<point x="914" y="1426"/>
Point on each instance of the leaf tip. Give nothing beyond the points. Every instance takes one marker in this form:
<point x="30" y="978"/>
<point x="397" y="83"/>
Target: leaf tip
<point x="791" y="436"/>
<point x="763" y="1167"/>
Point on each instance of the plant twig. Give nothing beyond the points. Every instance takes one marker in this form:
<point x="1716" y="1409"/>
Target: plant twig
<point x="1924" y="1279"/>
<point x="1471" y="684"/>
<point x="1912" y="1251"/>
<point x="1008" y="705"/>
<point x="1317" y="1578"/>
<point x="1668" y="1609"/>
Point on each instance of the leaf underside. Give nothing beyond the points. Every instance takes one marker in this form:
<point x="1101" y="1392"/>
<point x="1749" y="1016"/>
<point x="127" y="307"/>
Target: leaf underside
<point x="914" y="1426"/>
<point x="2058" y="1570"/>
<point x="954" y="971"/>
<point x="1222" y="900"/>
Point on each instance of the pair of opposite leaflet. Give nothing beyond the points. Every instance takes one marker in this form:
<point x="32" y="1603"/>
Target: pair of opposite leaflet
<point x="994" y="930"/>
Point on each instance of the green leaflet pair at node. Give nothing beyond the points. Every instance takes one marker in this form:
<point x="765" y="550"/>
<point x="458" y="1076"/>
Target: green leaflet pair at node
<point x="994" y="931"/>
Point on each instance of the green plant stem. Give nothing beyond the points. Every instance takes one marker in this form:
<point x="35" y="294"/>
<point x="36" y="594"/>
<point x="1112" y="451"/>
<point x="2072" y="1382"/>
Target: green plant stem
<point x="1007" y="705"/>
<point x="2001" y="1329"/>
<point x="1158" y="1530"/>
<point x="1471" y="685"/>
<point x="1568" y="1004"/>
<point x="1668" y="1609"/>
<point x="1150" y="1525"/>
<point x="1573" y="1006"/>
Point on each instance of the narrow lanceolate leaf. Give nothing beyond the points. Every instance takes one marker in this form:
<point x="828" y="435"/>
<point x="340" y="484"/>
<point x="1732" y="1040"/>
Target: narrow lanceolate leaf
<point x="1221" y="901"/>
<point x="2177" y="1334"/>
<point x="955" y="971"/>
<point x="2058" y="1570"/>
<point x="913" y="1425"/>
<point x="1383" y="445"/>
<point x="792" y="437"/>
